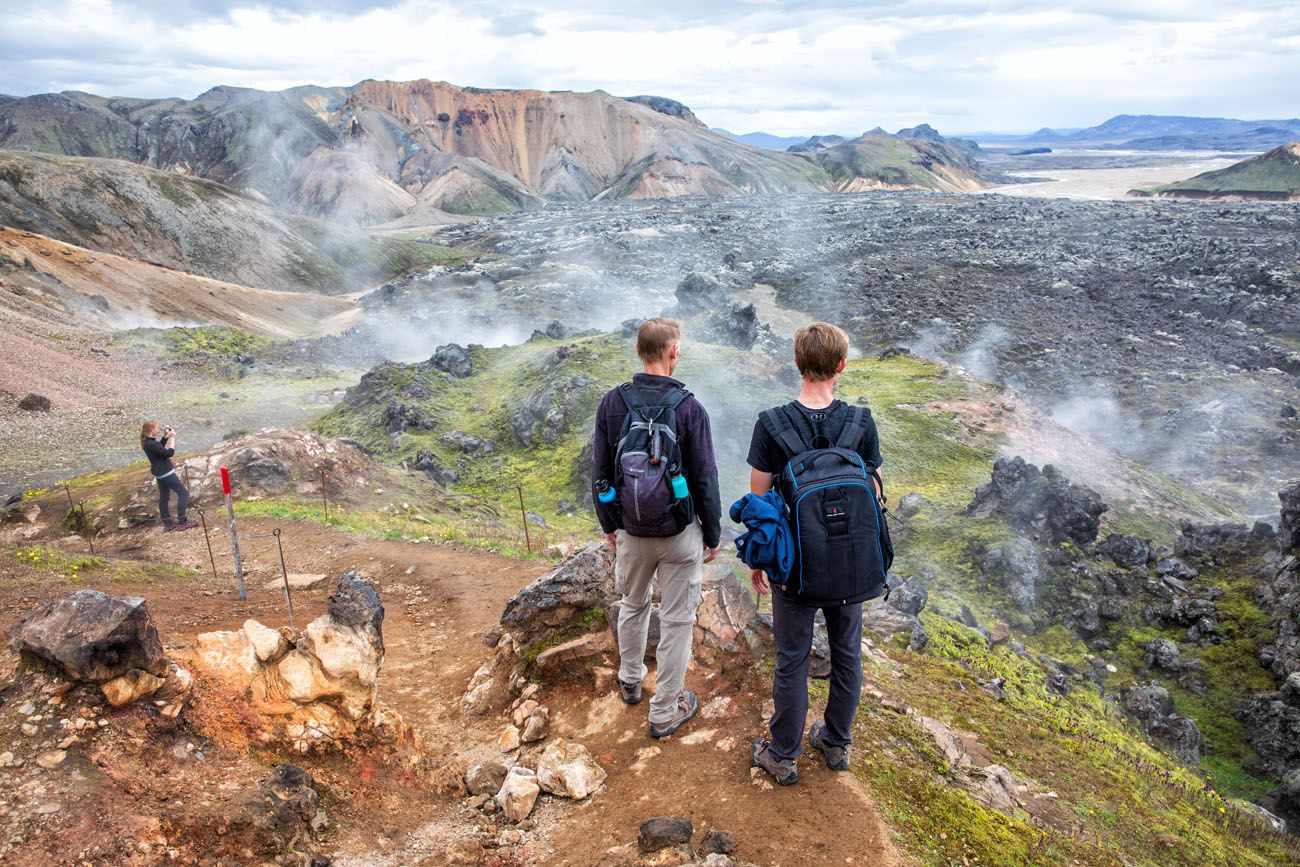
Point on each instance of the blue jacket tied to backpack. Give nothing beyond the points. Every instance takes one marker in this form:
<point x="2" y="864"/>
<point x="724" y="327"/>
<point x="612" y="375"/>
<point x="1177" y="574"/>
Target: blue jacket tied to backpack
<point x="768" y="544"/>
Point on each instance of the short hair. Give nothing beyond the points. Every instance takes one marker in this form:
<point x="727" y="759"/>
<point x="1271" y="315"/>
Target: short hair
<point x="818" y="350"/>
<point x="656" y="336"/>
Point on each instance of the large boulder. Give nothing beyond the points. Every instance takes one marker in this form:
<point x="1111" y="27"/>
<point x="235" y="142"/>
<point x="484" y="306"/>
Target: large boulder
<point x="1153" y="709"/>
<point x="726" y="618"/>
<point x="284" y="809"/>
<point x="1272" y="723"/>
<point x="560" y="597"/>
<point x="1127" y="551"/>
<point x="453" y="360"/>
<point x="518" y="794"/>
<point x="91" y="636"/>
<point x="1043" y="502"/>
<point x="1014" y="566"/>
<point x="568" y="770"/>
<point x="544" y="414"/>
<point x="1290" y="517"/>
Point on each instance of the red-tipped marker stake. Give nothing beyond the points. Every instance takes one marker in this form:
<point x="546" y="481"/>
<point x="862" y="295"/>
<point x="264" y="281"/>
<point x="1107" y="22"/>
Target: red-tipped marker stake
<point x="234" y="536"/>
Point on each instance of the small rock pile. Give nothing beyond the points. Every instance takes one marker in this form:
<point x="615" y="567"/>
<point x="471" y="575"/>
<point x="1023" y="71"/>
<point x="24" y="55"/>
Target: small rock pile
<point x="665" y="840"/>
<point x="317" y="688"/>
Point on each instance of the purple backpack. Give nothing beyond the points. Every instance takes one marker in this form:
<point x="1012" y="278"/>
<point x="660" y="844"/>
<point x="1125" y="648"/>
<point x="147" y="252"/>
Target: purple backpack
<point x="648" y="455"/>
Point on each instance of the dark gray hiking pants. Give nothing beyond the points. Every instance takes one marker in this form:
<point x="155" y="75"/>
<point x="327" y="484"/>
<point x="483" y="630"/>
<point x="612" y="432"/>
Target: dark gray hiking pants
<point x="166" y="485"/>
<point x="792" y="630"/>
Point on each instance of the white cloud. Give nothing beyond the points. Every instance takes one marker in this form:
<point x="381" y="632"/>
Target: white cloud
<point x="777" y="65"/>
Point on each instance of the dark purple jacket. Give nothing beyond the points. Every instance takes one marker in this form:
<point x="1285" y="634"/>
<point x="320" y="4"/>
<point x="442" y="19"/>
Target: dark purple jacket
<point x="693" y="435"/>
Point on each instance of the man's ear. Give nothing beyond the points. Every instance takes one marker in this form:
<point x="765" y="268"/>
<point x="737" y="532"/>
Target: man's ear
<point x="674" y="352"/>
<point x="839" y="368"/>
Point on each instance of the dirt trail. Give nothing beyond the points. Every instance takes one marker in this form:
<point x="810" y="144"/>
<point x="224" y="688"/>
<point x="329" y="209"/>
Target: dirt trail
<point x="439" y="599"/>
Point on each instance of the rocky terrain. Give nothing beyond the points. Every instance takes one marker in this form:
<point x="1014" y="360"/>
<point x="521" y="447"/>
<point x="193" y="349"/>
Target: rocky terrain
<point x="412" y="151"/>
<point x="1168" y="336"/>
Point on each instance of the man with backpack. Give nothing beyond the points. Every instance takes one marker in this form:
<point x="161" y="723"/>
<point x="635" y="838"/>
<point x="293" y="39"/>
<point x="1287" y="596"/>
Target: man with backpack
<point x="822" y="457"/>
<point x="656" y="495"/>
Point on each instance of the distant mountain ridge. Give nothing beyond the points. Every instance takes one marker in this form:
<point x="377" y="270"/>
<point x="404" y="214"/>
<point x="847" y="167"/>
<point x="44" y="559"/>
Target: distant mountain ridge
<point x="400" y="153"/>
<point x="1166" y="132"/>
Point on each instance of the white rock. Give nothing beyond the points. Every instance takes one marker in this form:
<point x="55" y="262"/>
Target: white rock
<point x="268" y="644"/>
<point x="508" y="739"/>
<point x="518" y="794"/>
<point x="228" y="655"/>
<point x="568" y="770"/>
<point x="51" y="758"/>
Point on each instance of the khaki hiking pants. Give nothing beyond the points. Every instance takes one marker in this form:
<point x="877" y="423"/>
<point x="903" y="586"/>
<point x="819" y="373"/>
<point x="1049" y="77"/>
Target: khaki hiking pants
<point x="675" y="562"/>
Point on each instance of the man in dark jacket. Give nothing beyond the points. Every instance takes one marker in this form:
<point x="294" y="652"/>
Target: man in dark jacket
<point x="672" y="557"/>
<point x="820" y="352"/>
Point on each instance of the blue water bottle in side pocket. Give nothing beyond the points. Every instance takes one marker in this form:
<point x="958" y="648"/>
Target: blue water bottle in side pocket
<point x="678" y="482"/>
<point x="605" y="492"/>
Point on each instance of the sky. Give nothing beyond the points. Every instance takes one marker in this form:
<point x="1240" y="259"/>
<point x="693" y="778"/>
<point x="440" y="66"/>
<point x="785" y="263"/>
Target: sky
<point x="779" y="66"/>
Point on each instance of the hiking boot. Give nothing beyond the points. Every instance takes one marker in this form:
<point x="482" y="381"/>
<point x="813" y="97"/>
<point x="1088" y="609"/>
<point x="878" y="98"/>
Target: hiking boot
<point x="687" y="705"/>
<point x="837" y="758"/>
<point x="185" y="525"/>
<point x="760" y="756"/>
<point x="168" y="525"/>
<point x="630" y="692"/>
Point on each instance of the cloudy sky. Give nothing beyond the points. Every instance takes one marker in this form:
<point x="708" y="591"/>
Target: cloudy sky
<point x="781" y="66"/>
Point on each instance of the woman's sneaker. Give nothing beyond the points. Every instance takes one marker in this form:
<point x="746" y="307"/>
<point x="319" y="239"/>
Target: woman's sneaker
<point x="687" y="705"/>
<point x="785" y="772"/>
<point x="837" y="758"/>
<point x="185" y="525"/>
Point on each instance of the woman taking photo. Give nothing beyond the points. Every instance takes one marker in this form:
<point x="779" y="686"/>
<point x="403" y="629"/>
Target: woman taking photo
<point x="159" y="449"/>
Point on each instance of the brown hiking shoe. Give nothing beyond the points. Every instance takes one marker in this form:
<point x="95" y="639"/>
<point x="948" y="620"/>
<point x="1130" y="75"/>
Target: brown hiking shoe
<point x="837" y="758"/>
<point x="687" y="705"/>
<point x="785" y="772"/>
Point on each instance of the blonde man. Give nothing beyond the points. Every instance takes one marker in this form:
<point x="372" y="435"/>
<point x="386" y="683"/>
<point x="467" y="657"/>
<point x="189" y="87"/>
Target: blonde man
<point x="656" y="494"/>
<point x="834" y="576"/>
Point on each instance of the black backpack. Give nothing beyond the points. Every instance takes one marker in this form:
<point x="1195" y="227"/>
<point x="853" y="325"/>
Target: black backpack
<point x="647" y="456"/>
<point x="842" y="546"/>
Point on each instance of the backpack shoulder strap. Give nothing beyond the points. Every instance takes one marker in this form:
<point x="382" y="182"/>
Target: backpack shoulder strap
<point x="778" y="426"/>
<point x="851" y="433"/>
<point x="673" y="397"/>
<point x="631" y="397"/>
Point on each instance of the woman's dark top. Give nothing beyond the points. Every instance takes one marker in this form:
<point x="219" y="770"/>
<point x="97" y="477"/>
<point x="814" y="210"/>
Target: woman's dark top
<point x="160" y="457"/>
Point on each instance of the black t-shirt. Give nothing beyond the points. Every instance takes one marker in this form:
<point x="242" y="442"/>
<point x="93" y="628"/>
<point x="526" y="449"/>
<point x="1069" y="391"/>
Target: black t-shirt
<point x="766" y="454"/>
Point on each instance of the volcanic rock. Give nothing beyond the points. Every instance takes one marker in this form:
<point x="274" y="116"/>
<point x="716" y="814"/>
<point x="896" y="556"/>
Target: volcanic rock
<point x="1043" y="502"/>
<point x="718" y="842"/>
<point x="284" y="808"/>
<point x="1290" y="517"/>
<point x="1015" y="566"/>
<point x="92" y="637"/>
<point x="542" y="416"/>
<point x="560" y="597"/>
<point x="568" y="770"/>
<point x="1161" y="653"/>
<point x="468" y="443"/>
<point x="453" y="359"/>
<point x="34" y="403"/>
<point x="1127" y="551"/>
<point x="664" y="831"/>
<point x="1153" y="708"/>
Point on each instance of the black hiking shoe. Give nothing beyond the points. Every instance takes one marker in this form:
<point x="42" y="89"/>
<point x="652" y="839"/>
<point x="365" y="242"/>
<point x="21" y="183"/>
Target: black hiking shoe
<point x="837" y="758"/>
<point x="184" y="525"/>
<point x="784" y="772"/>
<point x="687" y="705"/>
<point x="630" y="692"/>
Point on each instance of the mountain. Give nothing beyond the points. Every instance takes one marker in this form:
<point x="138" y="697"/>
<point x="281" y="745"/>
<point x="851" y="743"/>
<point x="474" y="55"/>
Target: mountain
<point x="379" y="150"/>
<point x="1273" y="176"/>
<point x="1167" y="132"/>
<point x="763" y="140"/>
<point x="189" y="224"/>
<point x="878" y="161"/>
<point x="406" y="152"/>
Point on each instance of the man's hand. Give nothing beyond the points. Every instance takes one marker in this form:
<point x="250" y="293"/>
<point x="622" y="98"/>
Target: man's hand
<point x="710" y="554"/>
<point x="611" y="539"/>
<point x="758" y="578"/>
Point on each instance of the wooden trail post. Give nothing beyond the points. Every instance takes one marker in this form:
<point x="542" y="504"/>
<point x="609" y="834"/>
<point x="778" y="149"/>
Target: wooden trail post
<point x="284" y="574"/>
<point x="208" y="539"/>
<point x="324" y="495"/>
<point x="234" y="537"/>
<point x="528" y="539"/>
